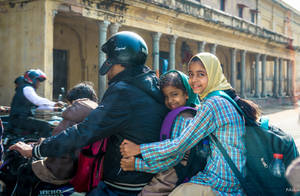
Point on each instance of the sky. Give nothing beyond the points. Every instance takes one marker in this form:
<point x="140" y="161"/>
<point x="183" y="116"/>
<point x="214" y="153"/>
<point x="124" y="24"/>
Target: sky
<point x="293" y="3"/>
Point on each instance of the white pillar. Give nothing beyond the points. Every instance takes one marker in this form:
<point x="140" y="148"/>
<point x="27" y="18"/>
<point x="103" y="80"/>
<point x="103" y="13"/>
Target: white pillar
<point x="101" y="58"/>
<point x="155" y="39"/>
<point x="172" y="40"/>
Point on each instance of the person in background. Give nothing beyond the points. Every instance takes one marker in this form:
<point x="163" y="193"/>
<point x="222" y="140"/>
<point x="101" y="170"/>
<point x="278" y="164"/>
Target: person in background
<point x="26" y="100"/>
<point x="19" y="81"/>
<point x="4" y="110"/>
<point x="59" y="170"/>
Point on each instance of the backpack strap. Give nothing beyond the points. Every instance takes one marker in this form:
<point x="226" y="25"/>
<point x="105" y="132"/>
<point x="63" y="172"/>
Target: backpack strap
<point x="231" y="164"/>
<point x="228" y="98"/>
<point x="97" y="161"/>
<point x="166" y="128"/>
<point x="245" y="185"/>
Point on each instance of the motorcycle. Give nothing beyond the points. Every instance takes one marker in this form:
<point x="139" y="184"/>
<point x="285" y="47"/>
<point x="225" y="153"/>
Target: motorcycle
<point x="13" y="135"/>
<point x="13" y="162"/>
<point x="11" y="169"/>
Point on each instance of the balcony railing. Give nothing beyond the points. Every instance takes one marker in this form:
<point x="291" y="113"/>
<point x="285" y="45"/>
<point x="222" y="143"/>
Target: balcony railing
<point x="194" y="8"/>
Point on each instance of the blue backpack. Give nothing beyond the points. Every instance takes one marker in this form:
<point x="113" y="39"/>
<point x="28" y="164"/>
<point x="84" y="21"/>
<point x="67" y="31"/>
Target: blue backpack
<point x="261" y="141"/>
<point x="197" y="158"/>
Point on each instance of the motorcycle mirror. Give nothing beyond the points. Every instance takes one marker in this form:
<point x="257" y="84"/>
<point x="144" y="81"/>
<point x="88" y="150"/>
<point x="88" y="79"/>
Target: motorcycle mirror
<point x="62" y="90"/>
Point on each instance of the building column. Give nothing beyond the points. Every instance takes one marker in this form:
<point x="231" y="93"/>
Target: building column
<point x="275" y="80"/>
<point x="201" y="46"/>
<point x="257" y="68"/>
<point x="233" y="67"/>
<point x="172" y="40"/>
<point x="280" y="78"/>
<point x="114" y="28"/>
<point x="243" y="74"/>
<point x="213" y="48"/>
<point x="288" y="78"/>
<point x="263" y="76"/>
<point x="102" y="56"/>
<point x="293" y="78"/>
<point x="155" y="39"/>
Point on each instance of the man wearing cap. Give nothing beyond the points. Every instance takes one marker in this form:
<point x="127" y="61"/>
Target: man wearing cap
<point x="131" y="108"/>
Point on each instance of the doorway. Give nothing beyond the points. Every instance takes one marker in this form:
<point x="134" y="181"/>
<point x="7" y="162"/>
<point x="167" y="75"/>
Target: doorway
<point x="60" y="72"/>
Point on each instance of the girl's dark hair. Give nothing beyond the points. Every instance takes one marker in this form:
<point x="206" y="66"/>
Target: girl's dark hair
<point x="195" y="59"/>
<point x="250" y="108"/>
<point x="171" y="79"/>
<point x="82" y="90"/>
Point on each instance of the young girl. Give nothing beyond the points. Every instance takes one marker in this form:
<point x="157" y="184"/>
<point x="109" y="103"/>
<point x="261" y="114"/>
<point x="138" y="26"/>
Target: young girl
<point x="215" y="116"/>
<point x="177" y="92"/>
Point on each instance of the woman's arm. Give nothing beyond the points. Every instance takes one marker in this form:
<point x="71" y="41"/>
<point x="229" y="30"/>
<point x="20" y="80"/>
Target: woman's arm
<point x="129" y="149"/>
<point x="157" y="165"/>
<point x="202" y="125"/>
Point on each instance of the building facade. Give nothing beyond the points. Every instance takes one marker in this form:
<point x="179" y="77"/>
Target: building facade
<point x="257" y="41"/>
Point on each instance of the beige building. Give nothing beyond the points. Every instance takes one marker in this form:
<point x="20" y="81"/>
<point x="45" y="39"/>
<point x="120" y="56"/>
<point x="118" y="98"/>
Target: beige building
<point x="257" y="41"/>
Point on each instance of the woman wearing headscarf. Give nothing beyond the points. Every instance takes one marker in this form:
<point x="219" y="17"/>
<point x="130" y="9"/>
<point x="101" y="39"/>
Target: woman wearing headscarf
<point x="215" y="116"/>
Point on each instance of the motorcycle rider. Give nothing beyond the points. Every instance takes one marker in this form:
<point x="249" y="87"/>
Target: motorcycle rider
<point x="6" y="109"/>
<point x="58" y="170"/>
<point x="25" y="100"/>
<point x="131" y="108"/>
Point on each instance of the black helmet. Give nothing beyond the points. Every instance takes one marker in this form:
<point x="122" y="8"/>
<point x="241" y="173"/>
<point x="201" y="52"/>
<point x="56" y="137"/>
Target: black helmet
<point x="125" y="48"/>
<point x="32" y="75"/>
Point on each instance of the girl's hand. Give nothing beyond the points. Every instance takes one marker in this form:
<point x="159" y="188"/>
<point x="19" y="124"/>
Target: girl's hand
<point x="128" y="148"/>
<point x="127" y="164"/>
<point x="24" y="149"/>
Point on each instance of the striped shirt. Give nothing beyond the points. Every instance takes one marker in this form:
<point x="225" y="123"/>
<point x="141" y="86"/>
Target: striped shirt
<point x="215" y="116"/>
<point x="164" y="164"/>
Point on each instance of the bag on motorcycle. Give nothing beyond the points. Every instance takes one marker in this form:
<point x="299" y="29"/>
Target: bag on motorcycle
<point x="90" y="166"/>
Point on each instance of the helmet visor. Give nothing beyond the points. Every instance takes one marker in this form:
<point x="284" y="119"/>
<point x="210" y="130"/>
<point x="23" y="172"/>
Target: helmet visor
<point x="105" y="67"/>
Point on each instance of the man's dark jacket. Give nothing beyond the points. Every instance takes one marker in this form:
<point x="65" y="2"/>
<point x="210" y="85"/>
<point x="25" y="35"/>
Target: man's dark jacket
<point x="132" y="108"/>
<point x="21" y="106"/>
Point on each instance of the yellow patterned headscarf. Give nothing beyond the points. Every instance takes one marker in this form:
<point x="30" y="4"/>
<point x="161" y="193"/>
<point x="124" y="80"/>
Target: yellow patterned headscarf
<point x="216" y="78"/>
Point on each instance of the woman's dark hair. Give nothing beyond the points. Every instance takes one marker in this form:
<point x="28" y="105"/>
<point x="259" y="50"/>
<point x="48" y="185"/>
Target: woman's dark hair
<point x="195" y="59"/>
<point x="82" y="90"/>
<point x="171" y="79"/>
<point x="250" y="108"/>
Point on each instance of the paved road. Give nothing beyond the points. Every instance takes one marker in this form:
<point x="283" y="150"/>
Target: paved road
<point x="288" y="119"/>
